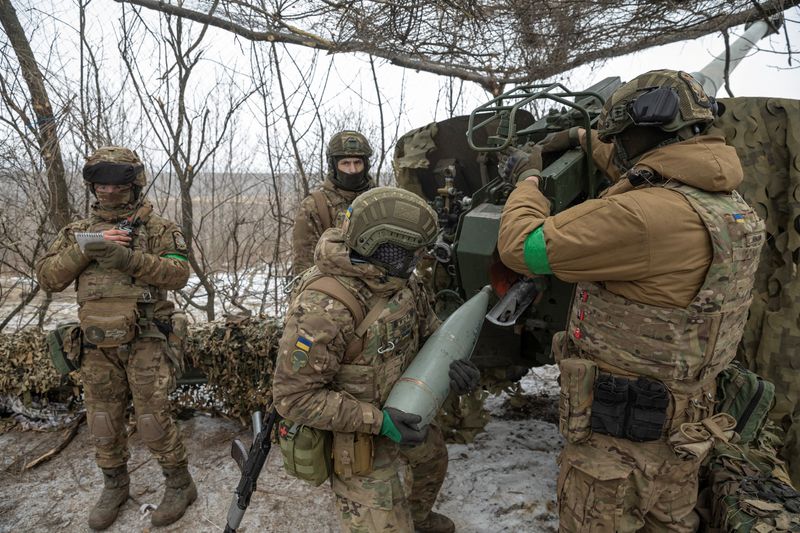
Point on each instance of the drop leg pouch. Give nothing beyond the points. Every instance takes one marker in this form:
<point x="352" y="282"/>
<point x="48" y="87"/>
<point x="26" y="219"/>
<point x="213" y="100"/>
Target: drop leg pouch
<point x="575" y="399"/>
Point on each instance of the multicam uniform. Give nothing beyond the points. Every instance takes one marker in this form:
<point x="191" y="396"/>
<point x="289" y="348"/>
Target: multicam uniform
<point x="145" y="365"/>
<point x="328" y="378"/>
<point x="322" y="209"/>
<point x="664" y="271"/>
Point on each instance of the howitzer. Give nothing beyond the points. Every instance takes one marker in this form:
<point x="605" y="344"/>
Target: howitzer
<point x="250" y="464"/>
<point x="454" y="164"/>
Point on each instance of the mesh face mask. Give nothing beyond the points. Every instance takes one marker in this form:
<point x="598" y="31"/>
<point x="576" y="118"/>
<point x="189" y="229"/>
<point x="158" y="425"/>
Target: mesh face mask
<point x="397" y="261"/>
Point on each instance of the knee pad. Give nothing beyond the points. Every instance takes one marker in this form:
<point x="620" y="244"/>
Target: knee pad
<point x="101" y="428"/>
<point x="150" y="428"/>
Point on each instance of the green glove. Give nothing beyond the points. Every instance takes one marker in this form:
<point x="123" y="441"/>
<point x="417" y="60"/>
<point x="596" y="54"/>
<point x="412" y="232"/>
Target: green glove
<point x="109" y="254"/>
<point x="398" y="426"/>
<point x="520" y="163"/>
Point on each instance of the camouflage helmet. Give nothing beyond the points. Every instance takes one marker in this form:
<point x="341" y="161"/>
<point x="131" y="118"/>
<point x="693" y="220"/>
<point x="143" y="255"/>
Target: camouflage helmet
<point x="114" y="165"/>
<point x="389" y="215"/>
<point x="665" y="99"/>
<point x="349" y="143"/>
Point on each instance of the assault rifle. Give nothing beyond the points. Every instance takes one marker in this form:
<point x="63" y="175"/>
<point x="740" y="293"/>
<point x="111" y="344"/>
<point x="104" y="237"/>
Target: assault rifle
<point x="250" y="464"/>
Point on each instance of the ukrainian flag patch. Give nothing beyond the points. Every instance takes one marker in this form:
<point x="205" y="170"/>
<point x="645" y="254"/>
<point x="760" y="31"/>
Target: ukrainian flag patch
<point x="348" y="212"/>
<point x="303" y="343"/>
<point x="738" y="217"/>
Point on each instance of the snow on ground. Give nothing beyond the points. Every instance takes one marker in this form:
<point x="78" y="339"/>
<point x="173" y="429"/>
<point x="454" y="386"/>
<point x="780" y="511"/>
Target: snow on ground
<point x="504" y="481"/>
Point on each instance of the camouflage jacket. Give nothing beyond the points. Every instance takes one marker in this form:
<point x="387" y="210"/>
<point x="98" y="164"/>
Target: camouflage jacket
<point x="309" y="223"/>
<point x="319" y="379"/>
<point x="158" y="262"/>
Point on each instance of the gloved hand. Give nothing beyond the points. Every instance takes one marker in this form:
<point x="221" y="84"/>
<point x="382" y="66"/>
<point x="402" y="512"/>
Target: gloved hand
<point x="464" y="377"/>
<point x="561" y="141"/>
<point x="399" y="427"/>
<point x="109" y="254"/>
<point x="520" y="163"/>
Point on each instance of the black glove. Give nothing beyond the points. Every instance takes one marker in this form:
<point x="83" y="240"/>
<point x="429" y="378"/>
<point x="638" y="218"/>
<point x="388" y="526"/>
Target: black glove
<point x="399" y="426"/>
<point x="109" y="254"/>
<point x="561" y="141"/>
<point x="520" y="163"/>
<point x="464" y="377"/>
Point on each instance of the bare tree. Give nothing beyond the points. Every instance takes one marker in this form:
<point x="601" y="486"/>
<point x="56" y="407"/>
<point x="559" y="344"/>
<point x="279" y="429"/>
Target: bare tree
<point x="489" y="42"/>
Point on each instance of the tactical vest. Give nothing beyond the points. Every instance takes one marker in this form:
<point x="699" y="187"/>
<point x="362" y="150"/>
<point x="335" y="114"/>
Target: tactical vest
<point x="386" y="336"/>
<point x="330" y="206"/>
<point x="684" y="349"/>
<point x="95" y="282"/>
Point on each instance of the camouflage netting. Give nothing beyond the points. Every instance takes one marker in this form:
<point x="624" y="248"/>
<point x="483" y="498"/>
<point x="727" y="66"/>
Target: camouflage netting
<point x="25" y="367"/>
<point x="236" y="356"/>
<point x="766" y="135"/>
<point x="748" y="489"/>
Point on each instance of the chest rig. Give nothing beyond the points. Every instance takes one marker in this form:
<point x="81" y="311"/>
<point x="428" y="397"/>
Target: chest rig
<point x="114" y="306"/>
<point x="385" y="340"/>
<point x="683" y="349"/>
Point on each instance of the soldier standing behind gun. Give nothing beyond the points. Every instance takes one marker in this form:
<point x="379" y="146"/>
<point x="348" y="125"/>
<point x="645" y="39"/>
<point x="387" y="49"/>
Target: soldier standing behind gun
<point x="348" y="176"/>
<point x="664" y="266"/>
<point x="356" y="323"/>
<point x="122" y="285"/>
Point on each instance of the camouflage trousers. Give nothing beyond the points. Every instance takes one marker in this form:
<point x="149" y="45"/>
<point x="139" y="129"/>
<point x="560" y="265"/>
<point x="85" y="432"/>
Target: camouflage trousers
<point x="111" y="376"/>
<point x="379" y="502"/>
<point x="615" y="485"/>
<point x="791" y="448"/>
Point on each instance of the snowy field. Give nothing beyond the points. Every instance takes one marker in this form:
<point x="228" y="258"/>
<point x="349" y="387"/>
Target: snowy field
<point x="504" y="481"/>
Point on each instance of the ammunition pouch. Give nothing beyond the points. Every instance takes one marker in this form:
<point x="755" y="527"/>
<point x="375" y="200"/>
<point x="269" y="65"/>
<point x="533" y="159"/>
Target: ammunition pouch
<point x="108" y="322"/>
<point x="630" y="409"/>
<point x="352" y="454"/>
<point x="306" y="451"/>
<point x="64" y="345"/>
<point x="575" y="399"/>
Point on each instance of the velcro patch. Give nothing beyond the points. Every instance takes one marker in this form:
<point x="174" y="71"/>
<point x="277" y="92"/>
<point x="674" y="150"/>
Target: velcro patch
<point x="180" y="242"/>
<point x="303" y="343"/>
<point x="299" y="359"/>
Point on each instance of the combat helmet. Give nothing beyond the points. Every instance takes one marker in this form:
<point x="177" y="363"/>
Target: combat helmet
<point x="387" y="226"/>
<point x="668" y="100"/>
<point x="115" y="165"/>
<point x="349" y="143"/>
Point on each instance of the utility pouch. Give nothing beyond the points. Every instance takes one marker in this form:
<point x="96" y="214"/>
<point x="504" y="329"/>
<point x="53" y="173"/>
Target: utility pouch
<point x="610" y="405"/>
<point x="352" y="454"/>
<point x="108" y="322"/>
<point x="575" y="399"/>
<point x="649" y="400"/>
<point x="176" y="338"/>
<point x="64" y="345"/>
<point x="306" y="451"/>
<point x="745" y="396"/>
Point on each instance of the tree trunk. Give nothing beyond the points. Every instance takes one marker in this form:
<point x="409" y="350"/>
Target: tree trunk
<point x="45" y="130"/>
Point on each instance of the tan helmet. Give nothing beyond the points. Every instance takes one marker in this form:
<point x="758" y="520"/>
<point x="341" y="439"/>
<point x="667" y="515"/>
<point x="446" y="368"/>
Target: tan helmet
<point x="114" y="165"/>
<point x="665" y="99"/>
<point x="389" y="215"/>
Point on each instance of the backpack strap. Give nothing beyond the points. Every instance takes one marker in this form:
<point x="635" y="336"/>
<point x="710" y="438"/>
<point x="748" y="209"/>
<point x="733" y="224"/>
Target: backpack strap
<point x="322" y="209"/>
<point x="335" y="289"/>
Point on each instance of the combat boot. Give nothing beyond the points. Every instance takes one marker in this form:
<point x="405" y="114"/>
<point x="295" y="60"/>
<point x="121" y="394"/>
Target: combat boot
<point x="179" y="494"/>
<point x="115" y="493"/>
<point x="435" y="523"/>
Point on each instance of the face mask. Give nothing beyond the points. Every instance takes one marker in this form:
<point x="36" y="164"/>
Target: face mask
<point x="351" y="182"/>
<point x="114" y="199"/>
<point x="397" y="261"/>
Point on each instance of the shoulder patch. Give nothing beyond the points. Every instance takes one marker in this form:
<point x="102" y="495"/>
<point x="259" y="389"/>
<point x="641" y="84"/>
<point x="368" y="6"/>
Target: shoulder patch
<point x="299" y="359"/>
<point x="180" y="242"/>
<point x="303" y="343"/>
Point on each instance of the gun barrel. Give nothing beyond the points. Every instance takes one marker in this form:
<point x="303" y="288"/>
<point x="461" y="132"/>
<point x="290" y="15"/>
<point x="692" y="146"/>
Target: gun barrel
<point x="712" y="76"/>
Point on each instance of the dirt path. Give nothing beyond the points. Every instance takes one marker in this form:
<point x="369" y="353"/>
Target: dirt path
<point x="504" y="481"/>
